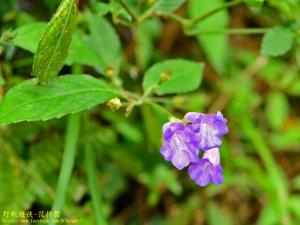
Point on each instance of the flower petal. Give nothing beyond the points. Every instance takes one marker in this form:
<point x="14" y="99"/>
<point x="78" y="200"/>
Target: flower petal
<point x="209" y="128"/>
<point x="171" y="127"/>
<point x="166" y="152"/>
<point x="198" y="172"/>
<point x="180" y="159"/>
<point x="208" y="137"/>
<point x="208" y="169"/>
<point x="181" y="144"/>
<point x="212" y="155"/>
<point x="216" y="175"/>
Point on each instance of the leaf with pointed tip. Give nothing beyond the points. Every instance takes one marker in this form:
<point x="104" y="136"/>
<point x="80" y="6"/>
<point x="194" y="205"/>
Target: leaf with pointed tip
<point x="63" y="95"/>
<point x="277" y="41"/>
<point x="53" y="47"/>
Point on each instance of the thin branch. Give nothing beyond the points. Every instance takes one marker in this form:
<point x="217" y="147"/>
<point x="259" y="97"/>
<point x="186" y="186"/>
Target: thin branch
<point x="230" y="31"/>
<point x="179" y="19"/>
<point x="148" y="13"/>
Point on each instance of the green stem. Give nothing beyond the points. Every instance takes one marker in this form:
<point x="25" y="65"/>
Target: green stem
<point x="115" y="15"/>
<point x="179" y="19"/>
<point x="72" y="134"/>
<point x="246" y="31"/>
<point x="140" y="100"/>
<point x="148" y="13"/>
<point x="215" y="10"/>
<point x="129" y="10"/>
<point x="90" y="165"/>
<point x="232" y="31"/>
<point x="147" y="93"/>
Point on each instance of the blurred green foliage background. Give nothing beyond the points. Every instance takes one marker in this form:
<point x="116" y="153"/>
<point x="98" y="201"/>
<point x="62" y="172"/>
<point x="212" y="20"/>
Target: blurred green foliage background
<point x="259" y="95"/>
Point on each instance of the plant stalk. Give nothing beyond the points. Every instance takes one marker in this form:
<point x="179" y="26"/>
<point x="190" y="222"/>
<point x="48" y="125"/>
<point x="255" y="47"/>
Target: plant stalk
<point x="232" y="31"/>
<point x="72" y="133"/>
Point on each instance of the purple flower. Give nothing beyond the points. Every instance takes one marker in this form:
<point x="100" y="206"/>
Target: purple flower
<point x="181" y="145"/>
<point x="183" y="141"/>
<point x="209" y="128"/>
<point x="207" y="169"/>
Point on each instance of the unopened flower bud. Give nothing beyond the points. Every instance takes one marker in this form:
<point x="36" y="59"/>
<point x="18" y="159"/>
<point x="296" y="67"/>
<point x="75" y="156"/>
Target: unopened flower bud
<point x="165" y="76"/>
<point x="114" y="104"/>
<point x="110" y="71"/>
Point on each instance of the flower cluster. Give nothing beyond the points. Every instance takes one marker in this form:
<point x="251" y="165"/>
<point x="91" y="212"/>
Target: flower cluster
<point x="183" y="141"/>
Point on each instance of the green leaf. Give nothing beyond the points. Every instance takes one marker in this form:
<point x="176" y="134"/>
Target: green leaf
<point x="184" y="75"/>
<point x="80" y="52"/>
<point x="215" y="46"/>
<point x="53" y="48"/>
<point x="24" y="18"/>
<point x="168" y="5"/>
<point x="277" y="109"/>
<point x="105" y="41"/>
<point x="103" y="8"/>
<point x="277" y="41"/>
<point x="64" y="95"/>
<point x="28" y="36"/>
